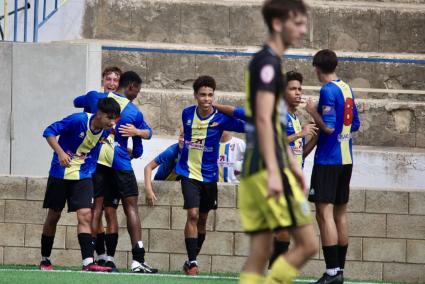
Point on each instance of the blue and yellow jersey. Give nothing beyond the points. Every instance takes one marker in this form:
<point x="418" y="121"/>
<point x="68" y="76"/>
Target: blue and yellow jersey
<point x="167" y="161"/>
<point x="79" y="142"/>
<point x="339" y="112"/>
<point x="114" y="152"/>
<point x="198" y="159"/>
<point x="297" y="146"/>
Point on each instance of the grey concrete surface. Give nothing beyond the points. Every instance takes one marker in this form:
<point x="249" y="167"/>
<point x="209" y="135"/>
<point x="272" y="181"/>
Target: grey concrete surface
<point x="5" y="105"/>
<point x="46" y="78"/>
<point x="391" y="27"/>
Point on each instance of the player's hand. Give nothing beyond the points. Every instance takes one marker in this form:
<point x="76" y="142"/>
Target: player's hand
<point x="310" y="106"/>
<point x="309" y="130"/>
<point x="64" y="159"/>
<point x="128" y="130"/>
<point x="275" y="185"/>
<point x="150" y="197"/>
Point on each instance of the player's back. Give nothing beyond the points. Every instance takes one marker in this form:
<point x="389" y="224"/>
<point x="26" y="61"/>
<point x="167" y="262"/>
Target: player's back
<point x="338" y="109"/>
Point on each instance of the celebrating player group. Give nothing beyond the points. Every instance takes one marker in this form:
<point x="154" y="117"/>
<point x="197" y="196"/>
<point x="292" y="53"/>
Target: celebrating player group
<point x="91" y="168"/>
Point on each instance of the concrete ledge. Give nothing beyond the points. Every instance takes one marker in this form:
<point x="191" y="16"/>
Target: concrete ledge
<point x="385" y="240"/>
<point x="335" y="25"/>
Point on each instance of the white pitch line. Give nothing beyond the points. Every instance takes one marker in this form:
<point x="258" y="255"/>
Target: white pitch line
<point x="167" y="275"/>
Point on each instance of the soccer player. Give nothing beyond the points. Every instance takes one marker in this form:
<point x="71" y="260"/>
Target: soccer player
<point x="114" y="175"/>
<point x="271" y="196"/>
<point x="110" y="82"/>
<point x="166" y="161"/>
<point x="297" y="136"/>
<point x="231" y="153"/>
<point x="336" y="116"/>
<point x="203" y="126"/>
<point x="70" y="176"/>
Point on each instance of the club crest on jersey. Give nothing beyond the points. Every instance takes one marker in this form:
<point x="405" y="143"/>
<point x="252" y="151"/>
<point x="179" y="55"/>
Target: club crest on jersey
<point x="267" y="73"/>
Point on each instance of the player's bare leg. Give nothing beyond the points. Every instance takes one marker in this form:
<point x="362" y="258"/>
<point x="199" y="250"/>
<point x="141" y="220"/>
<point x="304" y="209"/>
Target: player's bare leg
<point x="135" y="231"/>
<point x="48" y="237"/>
<point x="340" y="215"/>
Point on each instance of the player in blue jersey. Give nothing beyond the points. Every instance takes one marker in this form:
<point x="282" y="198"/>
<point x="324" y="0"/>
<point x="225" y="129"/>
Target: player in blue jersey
<point x="297" y="136"/>
<point x="110" y="82"/>
<point x="114" y="178"/>
<point x="166" y="161"/>
<point x="202" y="127"/>
<point x="70" y="176"/>
<point x="336" y="116"/>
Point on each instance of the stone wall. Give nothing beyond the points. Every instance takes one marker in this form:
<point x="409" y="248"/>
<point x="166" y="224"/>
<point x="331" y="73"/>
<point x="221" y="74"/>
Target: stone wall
<point x="387" y="232"/>
<point x="335" y="25"/>
<point x="384" y="122"/>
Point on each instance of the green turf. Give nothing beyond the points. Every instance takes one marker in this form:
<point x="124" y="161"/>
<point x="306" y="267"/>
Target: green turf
<point x="31" y="275"/>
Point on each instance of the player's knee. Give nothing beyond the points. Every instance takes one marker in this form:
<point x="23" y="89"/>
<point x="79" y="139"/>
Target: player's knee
<point x="84" y="216"/>
<point x="192" y="217"/>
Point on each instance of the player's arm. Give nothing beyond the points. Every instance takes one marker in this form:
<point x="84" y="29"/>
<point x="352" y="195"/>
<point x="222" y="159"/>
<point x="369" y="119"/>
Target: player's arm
<point x="296" y="170"/>
<point x="236" y="112"/>
<point x="310" y="146"/>
<point x="308" y="130"/>
<point x="355" y="126"/>
<point x="150" y="195"/>
<point x="56" y="129"/>
<point x="265" y="103"/>
<point x="83" y="101"/>
<point x="326" y="122"/>
<point x="142" y="130"/>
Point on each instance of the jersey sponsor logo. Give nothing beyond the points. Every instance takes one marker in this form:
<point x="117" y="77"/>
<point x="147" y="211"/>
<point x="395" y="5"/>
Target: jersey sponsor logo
<point x="344" y="137"/>
<point x="199" y="145"/>
<point x="75" y="156"/>
<point x="267" y="73"/>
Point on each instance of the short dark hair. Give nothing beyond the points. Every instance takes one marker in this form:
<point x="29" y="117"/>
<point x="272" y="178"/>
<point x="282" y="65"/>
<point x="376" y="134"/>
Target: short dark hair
<point x="281" y="9"/>
<point x="109" y="106"/>
<point x="293" y="75"/>
<point x="203" y="81"/>
<point x="129" y="78"/>
<point x="111" y="69"/>
<point x="326" y="60"/>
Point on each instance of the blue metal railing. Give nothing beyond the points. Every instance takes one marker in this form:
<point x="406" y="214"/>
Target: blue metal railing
<point x="37" y="24"/>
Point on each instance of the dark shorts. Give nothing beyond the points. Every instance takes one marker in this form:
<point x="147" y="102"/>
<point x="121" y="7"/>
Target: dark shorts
<point x="113" y="185"/>
<point x="77" y="193"/>
<point x="202" y="195"/>
<point x="330" y="184"/>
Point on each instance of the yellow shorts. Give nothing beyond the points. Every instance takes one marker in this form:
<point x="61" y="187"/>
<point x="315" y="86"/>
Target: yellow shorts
<point x="259" y="213"/>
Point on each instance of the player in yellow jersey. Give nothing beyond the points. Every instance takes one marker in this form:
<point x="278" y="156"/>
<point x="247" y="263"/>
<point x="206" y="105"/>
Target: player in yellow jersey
<point x="272" y="189"/>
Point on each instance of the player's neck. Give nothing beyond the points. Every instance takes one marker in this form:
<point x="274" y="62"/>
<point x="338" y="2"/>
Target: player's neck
<point x="326" y="78"/>
<point x="205" y="112"/>
<point x="292" y="110"/>
<point x="94" y="125"/>
<point x="276" y="45"/>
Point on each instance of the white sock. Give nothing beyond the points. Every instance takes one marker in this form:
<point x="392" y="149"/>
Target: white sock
<point x="44" y="258"/>
<point x="135" y="264"/>
<point x="140" y="244"/>
<point x="102" y="256"/>
<point x="193" y="261"/>
<point x="87" y="261"/>
<point x="109" y="258"/>
<point x="332" y="271"/>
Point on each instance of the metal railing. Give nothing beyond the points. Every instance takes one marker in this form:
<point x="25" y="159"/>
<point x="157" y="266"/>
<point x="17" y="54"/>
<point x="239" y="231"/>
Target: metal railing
<point x="37" y="24"/>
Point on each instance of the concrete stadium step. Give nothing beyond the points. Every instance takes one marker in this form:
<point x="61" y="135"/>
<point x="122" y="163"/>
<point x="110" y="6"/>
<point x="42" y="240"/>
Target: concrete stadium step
<point x="340" y="25"/>
<point x="177" y="65"/>
<point x="384" y="122"/>
<point x="375" y="166"/>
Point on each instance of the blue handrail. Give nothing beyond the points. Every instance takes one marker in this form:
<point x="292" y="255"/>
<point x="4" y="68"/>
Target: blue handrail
<point x="38" y="23"/>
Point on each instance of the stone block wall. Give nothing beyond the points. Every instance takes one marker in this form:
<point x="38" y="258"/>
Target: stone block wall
<point x="387" y="232"/>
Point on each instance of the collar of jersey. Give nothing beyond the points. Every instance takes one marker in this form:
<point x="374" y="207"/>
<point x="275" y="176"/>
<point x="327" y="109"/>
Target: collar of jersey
<point x="89" y="126"/>
<point x="205" y="118"/>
